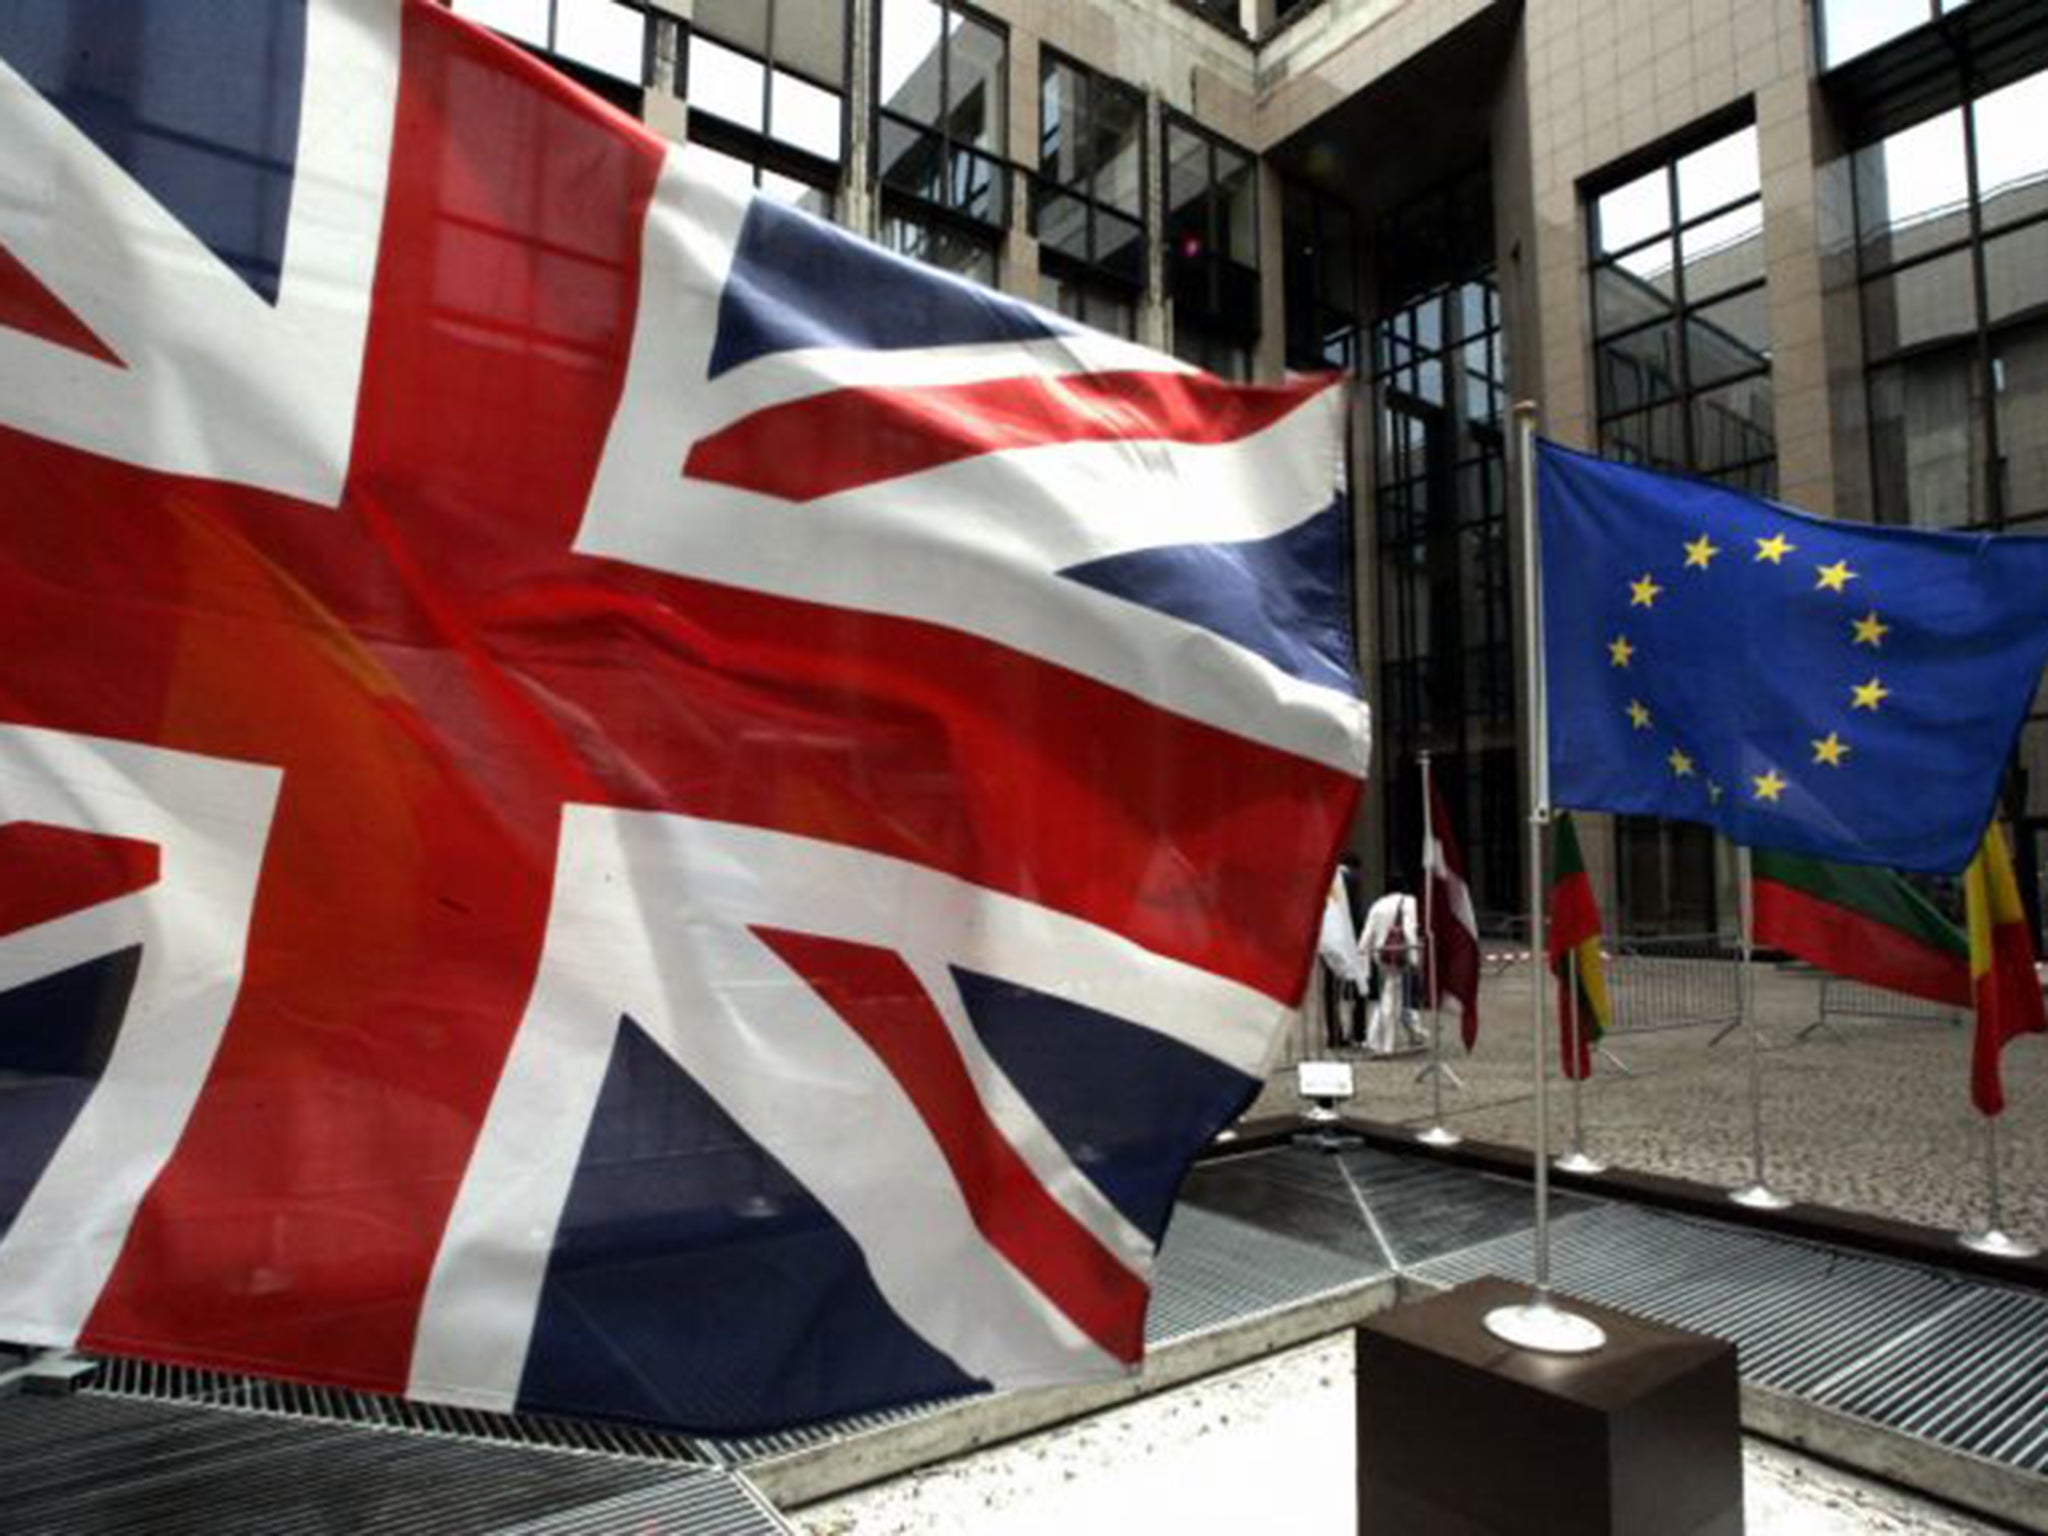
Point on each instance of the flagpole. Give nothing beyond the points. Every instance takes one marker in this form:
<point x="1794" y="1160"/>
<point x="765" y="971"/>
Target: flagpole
<point x="1994" y="1239"/>
<point x="1576" y="1160"/>
<point x="1437" y="1134"/>
<point x="1539" y="1323"/>
<point x="1757" y="1194"/>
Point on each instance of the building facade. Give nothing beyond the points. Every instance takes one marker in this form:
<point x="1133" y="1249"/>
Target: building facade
<point x="1795" y="246"/>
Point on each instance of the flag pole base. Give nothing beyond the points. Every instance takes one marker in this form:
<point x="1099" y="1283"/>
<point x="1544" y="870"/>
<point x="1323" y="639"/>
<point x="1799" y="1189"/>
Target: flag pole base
<point x="1759" y="1197"/>
<point x="1999" y="1245"/>
<point x="1546" y="1328"/>
<point x="1576" y="1161"/>
<point x="1438" y="1136"/>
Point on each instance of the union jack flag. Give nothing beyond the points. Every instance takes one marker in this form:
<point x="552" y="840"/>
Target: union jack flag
<point x="610" y="800"/>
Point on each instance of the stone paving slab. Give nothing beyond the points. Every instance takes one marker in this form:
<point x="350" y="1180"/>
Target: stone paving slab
<point x="1869" y="1115"/>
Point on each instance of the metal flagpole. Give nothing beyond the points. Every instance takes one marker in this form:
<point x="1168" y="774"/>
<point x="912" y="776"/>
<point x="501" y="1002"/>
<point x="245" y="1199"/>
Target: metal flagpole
<point x="1576" y="1160"/>
<point x="1539" y="1323"/>
<point x="1757" y="1194"/>
<point x="1437" y="1134"/>
<point x="1994" y="1239"/>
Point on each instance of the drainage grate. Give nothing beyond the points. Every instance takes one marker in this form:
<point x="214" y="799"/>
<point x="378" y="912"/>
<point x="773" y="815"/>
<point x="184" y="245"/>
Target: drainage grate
<point x="106" y="1464"/>
<point x="147" y="1380"/>
<point x="1424" y="1209"/>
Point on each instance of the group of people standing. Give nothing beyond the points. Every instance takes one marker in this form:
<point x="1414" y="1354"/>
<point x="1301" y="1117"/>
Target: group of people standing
<point x="1371" y="964"/>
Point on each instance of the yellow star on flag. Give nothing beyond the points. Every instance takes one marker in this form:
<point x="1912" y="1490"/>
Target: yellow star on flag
<point x="1619" y="651"/>
<point x="1768" y="785"/>
<point x="1643" y="593"/>
<point x="1870" y="631"/>
<point x="1681" y="765"/>
<point x="1835" y="578"/>
<point x="1831" y="749"/>
<point x="1774" y="549"/>
<point x="1869" y="695"/>
<point x="1700" y="552"/>
<point x="1638" y="714"/>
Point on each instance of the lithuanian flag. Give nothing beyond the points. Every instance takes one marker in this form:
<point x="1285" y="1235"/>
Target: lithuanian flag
<point x="1575" y="936"/>
<point x="1859" y="921"/>
<point x="2002" y="975"/>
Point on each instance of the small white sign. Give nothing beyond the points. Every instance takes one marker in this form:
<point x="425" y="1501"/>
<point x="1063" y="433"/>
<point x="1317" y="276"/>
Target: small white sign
<point x="1323" y="1079"/>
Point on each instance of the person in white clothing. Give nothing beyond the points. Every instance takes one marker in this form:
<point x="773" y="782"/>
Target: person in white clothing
<point x="1392" y="945"/>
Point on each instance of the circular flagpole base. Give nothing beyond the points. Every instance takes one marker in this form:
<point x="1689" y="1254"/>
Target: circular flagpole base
<point x="1759" y="1197"/>
<point x="1578" y="1162"/>
<point x="1999" y="1245"/>
<point x="1439" y="1136"/>
<point x="1548" y="1329"/>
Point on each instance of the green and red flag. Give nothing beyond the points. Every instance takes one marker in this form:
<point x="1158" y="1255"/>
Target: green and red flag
<point x="2008" y="991"/>
<point x="1583" y="1011"/>
<point x="1859" y="921"/>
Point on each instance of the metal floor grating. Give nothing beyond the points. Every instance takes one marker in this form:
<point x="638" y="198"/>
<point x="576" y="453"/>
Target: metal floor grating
<point x="1928" y="1353"/>
<point x="111" y="1465"/>
<point x="1957" y="1362"/>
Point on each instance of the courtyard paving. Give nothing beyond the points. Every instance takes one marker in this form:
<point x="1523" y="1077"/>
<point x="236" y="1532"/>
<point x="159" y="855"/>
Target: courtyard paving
<point x="1866" y="1114"/>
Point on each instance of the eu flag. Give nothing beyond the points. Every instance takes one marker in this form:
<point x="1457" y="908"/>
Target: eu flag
<point x="1833" y="689"/>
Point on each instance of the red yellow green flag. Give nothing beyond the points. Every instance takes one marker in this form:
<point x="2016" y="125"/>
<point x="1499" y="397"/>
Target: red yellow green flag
<point x="2002" y="977"/>
<point x="1574" y="952"/>
<point x="1859" y="921"/>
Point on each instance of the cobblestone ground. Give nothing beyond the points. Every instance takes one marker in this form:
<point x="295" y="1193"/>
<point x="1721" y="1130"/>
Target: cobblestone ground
<point x="1866" y="1114"/>
<point x="1270" y="1448"/>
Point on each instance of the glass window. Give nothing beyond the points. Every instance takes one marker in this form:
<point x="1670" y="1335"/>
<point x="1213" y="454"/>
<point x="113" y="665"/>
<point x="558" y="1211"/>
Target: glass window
<point x="604" y="35"/>
<point x="1212" y="235"/>
<point x="938" y="244"/>
<point x="942" y="80"/>
<point x="1851" y="28"/>
<point x="1091" y="172"/>
<point x="2012" y="151"/>
<point x="1318" y="237"/>
<point x="1105" y="308"/>
<point x="766" y="84"/>
<point x="1682" y="347"/>
<point x="1953" y="268"/>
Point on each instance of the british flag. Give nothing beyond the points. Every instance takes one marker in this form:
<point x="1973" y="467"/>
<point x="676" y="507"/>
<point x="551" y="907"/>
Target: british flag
<point x="610" y="800"/>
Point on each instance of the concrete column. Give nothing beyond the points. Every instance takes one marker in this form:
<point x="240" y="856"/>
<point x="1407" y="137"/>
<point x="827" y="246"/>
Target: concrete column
<point x="1786" y="113"/>
<point x="1155" y="317"/>
<point x="1018" y="271"/>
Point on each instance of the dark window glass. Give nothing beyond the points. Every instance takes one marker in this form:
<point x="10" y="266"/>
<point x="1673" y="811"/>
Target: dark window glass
<point x="941" y="97"/>
<point x="1212" y="241"/>
<point x="1319" y="242"/>
<point x="1953" y="266"/>
<point x="1091" y="175"/>
<point x="1681" y="323"/>
<point x="1105" y="308"/>
<point x="939" y="244"/>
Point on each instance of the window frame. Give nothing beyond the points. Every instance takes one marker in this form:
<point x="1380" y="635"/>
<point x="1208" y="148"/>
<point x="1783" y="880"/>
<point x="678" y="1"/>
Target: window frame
<point x="962" y="221"/>
<point x="1091" y="270"/>
<point x="767" y="154"/>
<point x="1211" y="270"/>
<point x="1980" y="340"/>
<point x="1681" y="312"/>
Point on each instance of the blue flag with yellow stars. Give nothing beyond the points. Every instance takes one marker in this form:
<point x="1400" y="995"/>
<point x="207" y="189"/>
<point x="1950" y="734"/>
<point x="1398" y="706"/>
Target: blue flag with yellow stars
<point x="1834" y="689"/>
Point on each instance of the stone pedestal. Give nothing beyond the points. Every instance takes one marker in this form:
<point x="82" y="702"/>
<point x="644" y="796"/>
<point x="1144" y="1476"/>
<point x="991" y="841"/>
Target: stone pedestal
<point x="1460" y="1434"/>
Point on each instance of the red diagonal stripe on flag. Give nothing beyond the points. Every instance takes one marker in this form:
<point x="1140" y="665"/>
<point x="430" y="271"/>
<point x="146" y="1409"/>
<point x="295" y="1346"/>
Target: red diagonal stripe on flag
<point x="877" y="994"/>
<point x="46" y="872"/>
<point x="848" y="438"/>
<point x="27" y="305"/>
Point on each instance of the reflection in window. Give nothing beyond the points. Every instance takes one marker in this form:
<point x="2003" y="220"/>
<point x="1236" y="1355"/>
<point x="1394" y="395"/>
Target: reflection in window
<point x="1952" y="260"/>
<point x="603" y="35"/>
<point x="1089" y="210"/>
<point x="765" y="81"/>
<point x="938" y="243"/>
<point x="940" y="111"/>
<point x="1681" y="328"/>
<point x="1444" y="606"/>
<point x="1319" y="235"/>
<point x="1106" y="307"/>
<point x="1851" y="28"/>
<point x="1212" y="245"/>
